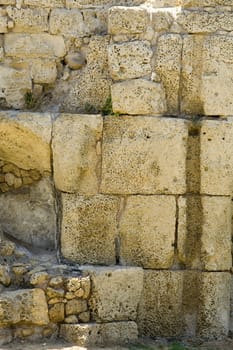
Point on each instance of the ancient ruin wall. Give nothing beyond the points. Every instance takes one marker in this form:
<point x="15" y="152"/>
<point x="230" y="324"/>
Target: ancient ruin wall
<point x="116" y="169"/>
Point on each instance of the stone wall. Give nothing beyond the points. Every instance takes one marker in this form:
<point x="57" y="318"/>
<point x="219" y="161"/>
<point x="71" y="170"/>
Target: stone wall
<point x="116" y="169"/>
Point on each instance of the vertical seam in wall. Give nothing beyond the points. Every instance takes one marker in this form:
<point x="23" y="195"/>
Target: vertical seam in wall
<point x="100" y="158"/>
<point x="180" y="80"/>
<point x="121" y="209"/>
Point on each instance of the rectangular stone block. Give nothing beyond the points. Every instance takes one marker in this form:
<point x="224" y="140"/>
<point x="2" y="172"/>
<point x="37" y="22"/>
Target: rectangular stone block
<point x="216" y="158"/>
<point x="34" y="45"/>
<point x="168" y="67"/>
<point x="148" y="242"/>
<point x="204" y="232"/>
<point x="66" y="22"/>
<point x="29" y="20"/>
<point x="138" y="96"/>
<point x="127" y="20"/>
<point x="160" y="309"/>
<point x="43" y="71"/>
<point x="77" y="153"/>
<point x="89" y="229"/>
<point x="3" y="24"/>
<point x="204" y="3"/>
<point x="144" y="155"/>
<point x="214" y="305"/>
<point x="100" y="334"/>
<point x="129" y="60"/>
<point x="116" y="292"/>
<point x="44" y="3"/>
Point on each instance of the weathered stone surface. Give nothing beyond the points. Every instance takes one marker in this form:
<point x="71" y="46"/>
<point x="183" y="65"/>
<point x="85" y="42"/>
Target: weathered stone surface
<point x="57" y="313"/>
<point x="129" y="60"/>
<point x="30" y="216"/>
<point x="127" y="20"/>
<point x="204" y="232"/>
<point x="14" y="85"/>
<point x="138" y="96"/>
<point x="3" y="24"/>
<point x="29" y="20"/>
<point x="148" y="242"/>
<point x="44" y="3"/>
<point x="168" y="67"/>
<point x="203" y="3"/>
<point x="66" y="22"/>
<point x="75" y="60"/>
<point x="144" y="155"/>
<point x="89" y="229"/>
<point x="5" y="277"/>
<point x="75" y="306"/>
<point x="25" y="140"/>
<point x="160" y="308"/>
<point x="34" y="45"/>
<point x="76" y="155"/>
<point x="115" y="292"/>
<point x="214" y="306"/>
<point x="27" y="306"/>
<point x="99" y="334"/>
<point x="6" y="335"/>
<point x="216" y="157"/>
<point x="43" y="71"/>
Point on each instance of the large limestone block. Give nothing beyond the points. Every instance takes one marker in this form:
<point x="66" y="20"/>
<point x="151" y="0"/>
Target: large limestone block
<point x="94" y="334"/>
<point x="127" y="20"/>
<point x="29" y="20"/>
<point x="66" y="22"/>
<point x="89" y="229"/>
<point x="204" y="3"/>
<point x="138" y="96"/>
<point x="25" y="140"/>
<point x="217" y="81"/>
<point x="25" y="306"/>
<point x="15" y="83"/>
<point x="216" y="158"/>
<point x="168" y="67"/>
<point x="34" y="45"/>
<point x="144" y="155"/>
<point x="160" y="308"/>
<point x="129" y="60"/>
<point x="204" y="232"/>
<point x="43" y="71"/>
<point x="148" y="242"/>
<point x="30" y="216"/>
<point x="115" y="292"/>
<point x="3" y="24"/>
<point x="94" y="3"/>
<point x="214" y="305"/>
<point x="77" y="153"/>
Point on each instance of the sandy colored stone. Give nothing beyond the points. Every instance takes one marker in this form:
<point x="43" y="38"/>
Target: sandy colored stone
<point x="39" y="278"/>
<point x="204" y="232"/>
<point x="75" y="60"/>
<point x="89" y="229"/>
<point x="160" y="308"/>
<point x="26" y="140"/>
<point x="129" y="60"/>
<point x="127" y="20"/>
<point x="43" y="71"/>
<point x="56" y="282"/>
<point x="66" y="22"/>
<point x="144" y="155"/>
<point x="203" y="3"/>
<point x="5" y="277"/>
<point x="148" y="242"/>
<point x="75" y="156"/>
<point x="29" y="20"/>
<point x="115" y="292"/>
<point x="161" y="21"/>
<point x="28" y="306"/>
<point x="100" y="334"/>
<point x="216" y="157"/>
<point x="57" y="313"/>
<point x="34" y="45"/>
<point x="44" y="3"/>
<point x="53" y="293"/>
<point x="3" y="24"/>
<point x="6" y="336"/>
<point x="71" y="319"/>
<point x="138" y="96"/>
<point x="214" y="306"/>
<point x="75" y="306"/>
<point x="73" y="284"/>
<point x="84" y="317"/>
<point x="168" y="68"/>
<point x="14" y="85"/>
<point x="86" y="286"/>
<point x="30" y="216"/>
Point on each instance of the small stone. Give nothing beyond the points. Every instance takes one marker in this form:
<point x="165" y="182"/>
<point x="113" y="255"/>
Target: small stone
<point x="56" y="301"/>
<point x="11" y="168"/>
<point x="5" y="278"/>
<point x="10" y="179"/>
<point x="75" y="60"/>
<point x="2" y="178"/>
<point x="7" y="248"/>
<point x="86" y="285"/>
<point x="71" y="319"/>
<point x="20" y="269"/>
<point x="54" y="293"/>
<point x="74" y="307"/>
<point x="35" y="175"/>
<point x="84" y="317"/>
<point x="73" y="284"/>
<point x="4" y="187"/>
<point x="57" y="313"/>
<point x="10" y="24"/>
<point x="39" y="278"/>
<point x="26" y="332"/>
<point x="70" y="295"/>
<point x="17" y="182"/>
<point x="56" y="282"/>
<point x="79" y="293"/>
<point x="27" y="180"/>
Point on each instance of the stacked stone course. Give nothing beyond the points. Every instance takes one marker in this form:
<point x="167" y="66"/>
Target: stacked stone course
<point x="137" y="204"/>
